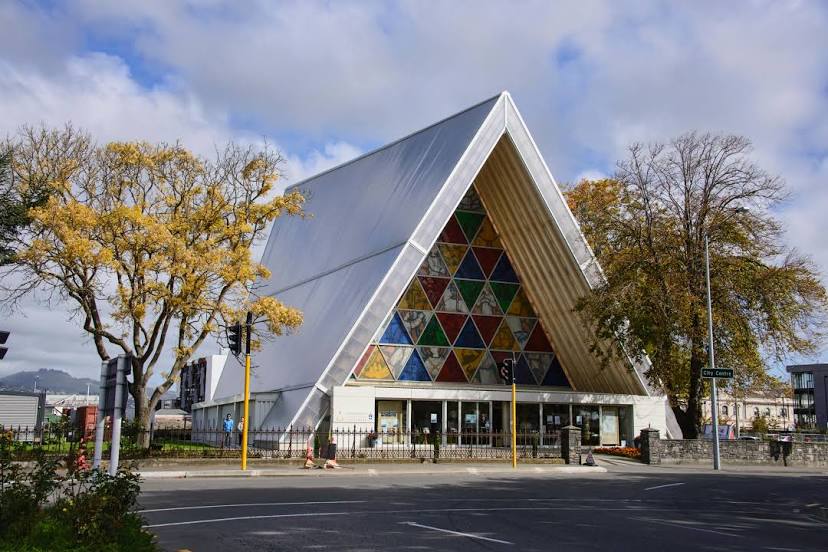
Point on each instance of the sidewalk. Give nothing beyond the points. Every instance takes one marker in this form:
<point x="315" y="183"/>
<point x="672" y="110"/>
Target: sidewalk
<point x="620" y="464"/>
<point x="368" y="470"/>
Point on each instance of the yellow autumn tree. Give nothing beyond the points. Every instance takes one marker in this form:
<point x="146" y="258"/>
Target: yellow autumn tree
<point x="149" y="243"/>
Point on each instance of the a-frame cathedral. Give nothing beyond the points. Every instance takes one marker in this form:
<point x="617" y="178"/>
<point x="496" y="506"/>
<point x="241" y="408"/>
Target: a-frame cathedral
<point x="422" y="265"/>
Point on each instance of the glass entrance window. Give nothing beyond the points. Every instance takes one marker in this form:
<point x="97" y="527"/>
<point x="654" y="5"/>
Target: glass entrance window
<point x="555" y="417"/>
<point x="587" y="418"/>
<point x="476" y="423"/>
<point x="609" y="426"/>
<point x="452" y="422"/>
<point x="390" y="422"/>
<point x="426" y="420"/>
<point x="528" y="422"/>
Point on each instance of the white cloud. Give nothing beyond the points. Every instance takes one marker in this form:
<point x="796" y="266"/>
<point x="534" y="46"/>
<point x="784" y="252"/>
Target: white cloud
<point x="97" y="93"/>
<point x="589" y="77"/>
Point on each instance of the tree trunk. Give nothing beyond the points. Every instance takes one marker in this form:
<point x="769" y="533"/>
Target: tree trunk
<point x="142" y="415"/>
<point x="693" y="422"/>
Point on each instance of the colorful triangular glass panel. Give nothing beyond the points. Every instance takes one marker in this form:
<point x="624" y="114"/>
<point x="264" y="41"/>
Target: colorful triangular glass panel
<point x="503" y="271"/>
<point x="452" y="233"/>
<point x="487" y="372"/>
<point x="414" y="297"/>
<point x="376" y="368"/>
<point x="469" y="222"/>
<point x="487" y="258"/>
<point x="452" y="301"/>
<point x="487" y="303"/>
<point x="469" y="337"/>
<point x="504" y="293"/>
<point x="452" y="372"/>
<point x="469" y="360"/>
<point x="434" y="288"/>
<point x="521" y="306"/>
<point x="523" y="375"/>
<point x="433" y="335"/>
<point x="452" y="255"/>
<point x="539" y="363"/>
<point x="470" y="289"/>
<point x="395" y="357"/>
<point x="469" y="269"/>
<point x="452" y="323"/>
<point x="363" y="360"/>
<point x="555" y="376"/>
<point x="486" y="236"/>
<point x="487" y="326"/>
<point x="471" y="202"/>
<point x="433" y="358"/>
<point x="521" y="328"/>
<point x="414" y="322"/>
<point x="414" y="370"/>
<point x="538" y="341"/>
<point x="395" y="333"/>
<point x="504" y="339"/>
<point x="434" y="265"/>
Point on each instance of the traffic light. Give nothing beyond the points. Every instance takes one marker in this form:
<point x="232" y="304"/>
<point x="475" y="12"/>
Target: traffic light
<point x="4" y="335"/>
<point x="234" y="338"/>
<point x="507" y="370"/>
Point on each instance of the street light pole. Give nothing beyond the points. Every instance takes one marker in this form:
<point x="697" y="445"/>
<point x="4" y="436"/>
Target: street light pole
<point x="712" y="358"/>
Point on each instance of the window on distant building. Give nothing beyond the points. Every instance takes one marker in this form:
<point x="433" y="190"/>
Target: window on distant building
<point x="724" y="410"/>
<point x="756" y="412"/>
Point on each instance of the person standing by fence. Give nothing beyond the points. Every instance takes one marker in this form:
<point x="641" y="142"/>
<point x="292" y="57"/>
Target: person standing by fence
<point x="228" y="431"/>
<point x="241" y="430"/>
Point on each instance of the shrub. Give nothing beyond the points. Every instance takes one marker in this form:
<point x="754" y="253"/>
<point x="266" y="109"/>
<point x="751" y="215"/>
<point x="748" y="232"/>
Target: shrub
<point x="760" y="425"/>
<point x="626" y="452"/>
<point x="41" y="510"/>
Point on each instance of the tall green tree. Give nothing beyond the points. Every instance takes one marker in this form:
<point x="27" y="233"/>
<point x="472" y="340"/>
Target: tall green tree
<point x="647" y="226"/>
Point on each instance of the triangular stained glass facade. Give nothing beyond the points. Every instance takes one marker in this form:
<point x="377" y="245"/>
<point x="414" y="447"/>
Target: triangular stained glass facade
<point x="465" y="310"/>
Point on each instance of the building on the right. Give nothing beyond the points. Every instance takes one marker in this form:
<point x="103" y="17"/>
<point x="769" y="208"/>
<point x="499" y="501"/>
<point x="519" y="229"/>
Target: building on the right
<point x="810" y="387"/>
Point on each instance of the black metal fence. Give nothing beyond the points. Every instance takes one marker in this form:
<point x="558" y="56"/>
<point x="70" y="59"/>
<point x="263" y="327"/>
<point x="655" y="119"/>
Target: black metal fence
<point x="286" y="443"/>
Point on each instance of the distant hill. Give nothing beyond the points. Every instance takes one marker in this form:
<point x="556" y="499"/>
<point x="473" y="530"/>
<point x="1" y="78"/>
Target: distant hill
<point x="51" y="381"/>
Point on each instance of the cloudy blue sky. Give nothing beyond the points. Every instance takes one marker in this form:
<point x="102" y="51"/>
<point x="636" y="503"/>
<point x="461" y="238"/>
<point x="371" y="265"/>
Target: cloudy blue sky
<point x="326" y="81"/>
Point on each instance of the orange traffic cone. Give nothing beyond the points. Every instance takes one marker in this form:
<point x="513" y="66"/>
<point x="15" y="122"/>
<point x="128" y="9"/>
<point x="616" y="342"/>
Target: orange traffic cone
<point x="309" y="463"/>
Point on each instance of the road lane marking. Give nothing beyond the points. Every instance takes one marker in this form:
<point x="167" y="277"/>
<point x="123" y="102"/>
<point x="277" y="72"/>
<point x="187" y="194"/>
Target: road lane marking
<point x="663" y="486"/>
<point x="458" y="533"/>
<point x="249" y="504"/>
<point x="673" y="524"/>
<point x="241" y="518"/>
<point x="435" y="511"/>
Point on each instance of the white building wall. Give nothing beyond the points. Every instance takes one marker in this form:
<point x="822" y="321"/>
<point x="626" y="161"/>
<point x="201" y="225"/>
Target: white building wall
<point x="355" y="405"/>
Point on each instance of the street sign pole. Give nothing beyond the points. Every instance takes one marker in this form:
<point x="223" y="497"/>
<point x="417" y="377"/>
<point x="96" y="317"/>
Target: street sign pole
<point x="117" y="413"/>
<point x="712" y="362"/>
<point x="246" y="423"/>
<point x="100" y="423"/>
<point x="513" y="417"/>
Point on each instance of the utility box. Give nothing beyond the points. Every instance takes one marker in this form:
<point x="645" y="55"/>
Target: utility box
<point x="85" y="418"/>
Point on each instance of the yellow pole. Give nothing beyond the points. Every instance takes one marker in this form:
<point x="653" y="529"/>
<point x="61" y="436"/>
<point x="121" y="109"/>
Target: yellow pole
<point x="514" y="426"/>
<point x="246" y="410"/>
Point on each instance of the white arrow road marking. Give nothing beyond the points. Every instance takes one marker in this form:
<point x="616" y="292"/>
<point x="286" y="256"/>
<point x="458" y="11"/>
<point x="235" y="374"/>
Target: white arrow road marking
<point x="662" y="486"/>
<point x="458" y="533"/>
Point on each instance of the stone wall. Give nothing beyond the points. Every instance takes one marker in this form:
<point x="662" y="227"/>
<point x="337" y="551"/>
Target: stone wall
<point x="777" y="453"/>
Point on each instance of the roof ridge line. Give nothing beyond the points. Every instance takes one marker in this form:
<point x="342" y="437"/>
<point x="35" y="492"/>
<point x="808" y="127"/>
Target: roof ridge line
<point x="397" y="141"/>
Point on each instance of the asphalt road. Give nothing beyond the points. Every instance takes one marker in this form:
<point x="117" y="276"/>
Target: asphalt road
<point x="626" y="509"/>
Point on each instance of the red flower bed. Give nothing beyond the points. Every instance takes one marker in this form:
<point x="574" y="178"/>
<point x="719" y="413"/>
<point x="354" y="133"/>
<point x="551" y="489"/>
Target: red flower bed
<point x="626" y="452"/>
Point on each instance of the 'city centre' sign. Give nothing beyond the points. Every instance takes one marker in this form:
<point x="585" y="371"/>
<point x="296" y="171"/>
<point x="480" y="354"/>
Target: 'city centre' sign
<point x="724" y="373"/>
